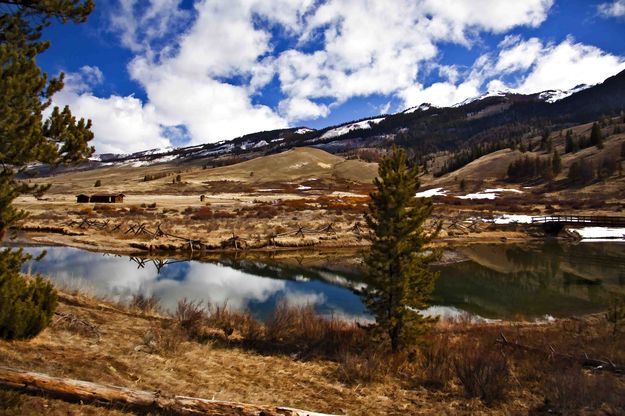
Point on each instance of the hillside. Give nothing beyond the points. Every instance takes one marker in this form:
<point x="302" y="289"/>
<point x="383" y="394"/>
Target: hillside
<point x="290" y="167"/>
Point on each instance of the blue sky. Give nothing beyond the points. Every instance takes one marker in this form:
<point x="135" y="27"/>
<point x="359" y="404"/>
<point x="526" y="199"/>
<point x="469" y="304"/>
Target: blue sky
<point x="156" y="73"/>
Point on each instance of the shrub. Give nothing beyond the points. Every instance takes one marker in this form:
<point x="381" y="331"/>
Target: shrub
<point x="10" y="400"/>
<point x="27" y="305"/>
<point x="229" y="321"/>
<point x="436" y="362"/>
<point x="164" y="340"/>
<point x="568" y="390"/>
<point x="191" y="317"/>
<point x="361" y="368"/>
<point x="482" y="371"/>
<point x="98" y="183"/>
<point x="145" y="304"/>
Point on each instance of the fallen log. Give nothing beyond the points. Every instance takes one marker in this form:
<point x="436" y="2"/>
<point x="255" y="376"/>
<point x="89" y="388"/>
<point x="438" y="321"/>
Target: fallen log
<point x="131" y="399"/>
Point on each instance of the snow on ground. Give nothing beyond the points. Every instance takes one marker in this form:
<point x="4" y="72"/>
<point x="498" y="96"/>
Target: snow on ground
<point x="341" y="130"/>
<point x="593" y="233"/>
<point x="502" y="190"/>
<point x="303" y="188"/>
<point x="491" y="193"/>
<point x="341" y="194"/>
<point x="431" y="192"/>
<point x="479" y="195"/>
<point x="511" y="219"/>
<point x="140" y="163"/>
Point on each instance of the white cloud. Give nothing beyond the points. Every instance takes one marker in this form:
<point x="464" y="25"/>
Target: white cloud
<point x="533" y="65"/>
<point x="140" y="23"/>
<point x="371" y="47"/>
<point x="612" y="9"/>
<point x="120" y="124"/>
<point x="568" y="64"/>
<point x="302" y="108"/>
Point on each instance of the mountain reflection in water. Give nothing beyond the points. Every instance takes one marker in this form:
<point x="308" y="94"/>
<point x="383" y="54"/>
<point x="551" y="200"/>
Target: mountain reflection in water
<point x="495" y="281"/>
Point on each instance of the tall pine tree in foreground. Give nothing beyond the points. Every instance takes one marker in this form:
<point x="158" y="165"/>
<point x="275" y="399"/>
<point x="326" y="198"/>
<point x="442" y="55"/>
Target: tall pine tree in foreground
<point x="400" y="282"/>
<point x="26" y="92"/>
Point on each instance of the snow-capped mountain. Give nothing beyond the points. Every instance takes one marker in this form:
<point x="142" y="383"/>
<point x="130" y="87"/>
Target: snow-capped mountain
<point x="431" y="127"/>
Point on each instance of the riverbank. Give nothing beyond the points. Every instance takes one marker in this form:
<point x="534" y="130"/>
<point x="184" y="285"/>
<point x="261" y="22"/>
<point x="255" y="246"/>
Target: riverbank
<point x="95" y="340"/>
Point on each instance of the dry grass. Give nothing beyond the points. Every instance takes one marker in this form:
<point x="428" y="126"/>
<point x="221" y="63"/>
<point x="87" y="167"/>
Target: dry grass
<point x="301" y="360"/>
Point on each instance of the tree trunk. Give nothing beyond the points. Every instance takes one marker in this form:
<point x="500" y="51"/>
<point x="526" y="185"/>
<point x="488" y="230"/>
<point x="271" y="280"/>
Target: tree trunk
<point x="138" y="400"/>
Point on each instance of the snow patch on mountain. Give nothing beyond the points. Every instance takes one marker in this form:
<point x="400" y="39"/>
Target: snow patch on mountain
<point x="498" y="93"/>
<point x="346" y="128"/>
<point x="422" y="107"/>
<point x="551" y="96"/>
<point x="302" y="130"/>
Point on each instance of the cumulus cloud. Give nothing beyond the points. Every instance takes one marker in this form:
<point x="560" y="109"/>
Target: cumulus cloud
<point x="612" y="9"/>
<point x="373" y="48"/>
<point x="141" y="23"/>
<point x="565" y="65"/>
<point x="120" y="124"/>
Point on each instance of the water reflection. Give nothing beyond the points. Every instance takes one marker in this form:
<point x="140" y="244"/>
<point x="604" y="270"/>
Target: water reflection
<point x="496" y="281"/>
<point x="535" y="280"/>
<point x="253" y="286"/>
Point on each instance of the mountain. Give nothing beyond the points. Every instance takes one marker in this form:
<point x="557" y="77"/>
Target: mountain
<point x="486" y="121"/>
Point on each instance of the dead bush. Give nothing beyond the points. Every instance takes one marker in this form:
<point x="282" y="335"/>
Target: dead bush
<point x="302" y="329"/>
<point x="135" y="210"/>
<point x="229" y="321"/>
<point x="102" y="208"/>
<point x="191" y="317"/>
<point x="10" y="400"/>
<point x="482" y="370"/>
<point x="436" y="362"/>
<point x="361" y="368"/>
<point x="570" y="390"/>
<point x="145" y="304"/>
<point x="163" y="340"/>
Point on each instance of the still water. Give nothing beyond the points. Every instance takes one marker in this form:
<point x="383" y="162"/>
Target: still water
<point x="491" y="281"/>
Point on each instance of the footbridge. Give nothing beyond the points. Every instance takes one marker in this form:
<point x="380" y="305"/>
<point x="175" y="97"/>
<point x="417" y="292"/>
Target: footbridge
<point x="553" y="224"/>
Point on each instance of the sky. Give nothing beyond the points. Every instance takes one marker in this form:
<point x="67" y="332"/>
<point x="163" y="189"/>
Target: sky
<point x="158" y="73"/>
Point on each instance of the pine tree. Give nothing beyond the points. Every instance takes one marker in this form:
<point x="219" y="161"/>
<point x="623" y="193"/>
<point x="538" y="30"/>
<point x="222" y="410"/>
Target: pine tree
<point x="596" y="138"/>
<point x="556" y="163"/>
<point x="400" y="282"/>
<point x="569" y="145"/>
<point x="25" y="137"/>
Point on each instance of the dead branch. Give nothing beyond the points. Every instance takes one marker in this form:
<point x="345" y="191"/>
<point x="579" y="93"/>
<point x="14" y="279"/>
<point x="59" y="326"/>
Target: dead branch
<point x="74" y="321"/>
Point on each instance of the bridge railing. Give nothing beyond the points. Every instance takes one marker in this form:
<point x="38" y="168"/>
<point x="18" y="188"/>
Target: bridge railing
<point x="597" y="220"/>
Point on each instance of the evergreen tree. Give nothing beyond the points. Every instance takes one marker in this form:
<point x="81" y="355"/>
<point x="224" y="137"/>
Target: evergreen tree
<point x="400" y="282"/>
<point x="25" y="137"/>
<point x="569" y="145"/>
<point x="596" y="138"/>
<point x="556" y="163"/>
